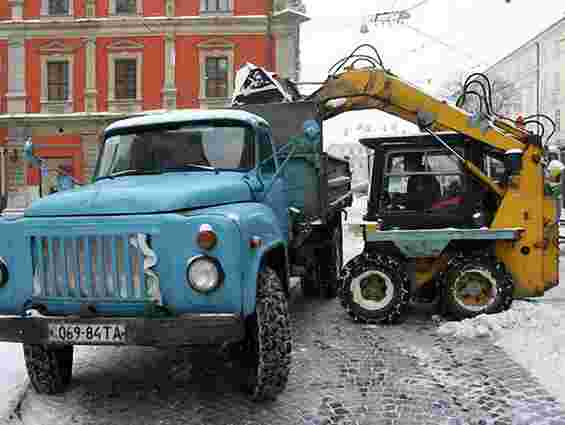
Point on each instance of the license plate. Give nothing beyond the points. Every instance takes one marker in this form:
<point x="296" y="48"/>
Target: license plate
<point x="83" y="333"/>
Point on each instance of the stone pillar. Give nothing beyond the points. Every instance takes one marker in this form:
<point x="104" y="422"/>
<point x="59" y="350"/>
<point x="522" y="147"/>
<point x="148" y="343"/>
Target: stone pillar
<point x="16" y="96"/>
<point x="17" y="9"/>
<point x="169" y="90"/>
<point x="170" y="8"/>
<point x="90" y="8"/>
<point x="90" y="92"/>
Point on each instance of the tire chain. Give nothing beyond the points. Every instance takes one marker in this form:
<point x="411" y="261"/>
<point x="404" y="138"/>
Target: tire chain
<point x="49" y="368"/>
<point x="462" y="259"/>
<point x="388" y="262"/>
<point x="274" y="334"/>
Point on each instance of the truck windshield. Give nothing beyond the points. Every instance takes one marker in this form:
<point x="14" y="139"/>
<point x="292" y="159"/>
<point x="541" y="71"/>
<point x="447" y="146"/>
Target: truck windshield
<point x="192" y="147"/>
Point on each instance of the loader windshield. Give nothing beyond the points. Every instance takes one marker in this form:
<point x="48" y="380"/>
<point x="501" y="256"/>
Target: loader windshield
<point x="191" y="147"/>
<point x="421" y="181"/>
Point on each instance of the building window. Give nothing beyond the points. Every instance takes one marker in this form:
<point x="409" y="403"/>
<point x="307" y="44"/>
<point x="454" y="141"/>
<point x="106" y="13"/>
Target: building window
<point x="216" y="5"/>
<point x="125" y="78"/>
<point x="57" y="81"/>
<point x="56" y="7"/>
<point x="59" y="7"/>
<point x="126" y="7"/>
<point x="216" y="77"/>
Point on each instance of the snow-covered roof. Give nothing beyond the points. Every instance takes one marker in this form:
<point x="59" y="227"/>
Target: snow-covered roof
<point x="291" y="13"/>
<point x="186" y="115"/>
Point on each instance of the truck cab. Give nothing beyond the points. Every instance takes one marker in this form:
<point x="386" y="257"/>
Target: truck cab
<point x="187" y="235"/>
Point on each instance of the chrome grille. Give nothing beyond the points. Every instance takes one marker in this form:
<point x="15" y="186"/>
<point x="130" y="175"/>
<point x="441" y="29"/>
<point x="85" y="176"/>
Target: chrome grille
<point x="88" y="267"/>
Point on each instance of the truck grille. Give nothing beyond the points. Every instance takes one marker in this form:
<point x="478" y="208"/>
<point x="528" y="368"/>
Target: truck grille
<point x="88" y="267"/>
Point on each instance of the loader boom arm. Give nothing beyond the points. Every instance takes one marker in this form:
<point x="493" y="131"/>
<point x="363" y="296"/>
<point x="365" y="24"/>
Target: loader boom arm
<point x="373" y="88"/>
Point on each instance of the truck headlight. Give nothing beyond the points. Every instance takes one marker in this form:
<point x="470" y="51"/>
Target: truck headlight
<point x="4" y="275"/>
<point x="204" y="274"/>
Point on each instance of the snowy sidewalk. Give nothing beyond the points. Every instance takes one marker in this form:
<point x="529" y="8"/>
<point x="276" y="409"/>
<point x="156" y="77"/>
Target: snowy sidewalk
<point x="13" y="378"/>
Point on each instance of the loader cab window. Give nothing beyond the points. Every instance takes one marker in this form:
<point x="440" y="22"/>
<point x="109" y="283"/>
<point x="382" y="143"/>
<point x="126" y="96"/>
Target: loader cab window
<point x="421" y="181"/>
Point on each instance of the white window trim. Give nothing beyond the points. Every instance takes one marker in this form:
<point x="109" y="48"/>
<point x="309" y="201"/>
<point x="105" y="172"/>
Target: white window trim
<point x="205" y="12"/>
<point x="47" y="105"/>
<point x="138" y="7"/>
<point x="45" y="9"/>
<point x="214" y="49"/>
<point x="117" y="105"/>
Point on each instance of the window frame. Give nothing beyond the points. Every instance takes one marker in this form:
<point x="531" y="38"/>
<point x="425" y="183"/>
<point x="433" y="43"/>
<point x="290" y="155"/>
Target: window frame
<point x="116" y="104"/>
<point x="207" y="78"/>
<point x="46" y="8"/>
<point x="205" y="8"/>
<point x="113" y="9"/>
<point x="64" y="84"/>
<point x="386" y="174"/>
<point x="59" y="106"/>
<point x="126" y="85"/>
<point x="216" y="48"/>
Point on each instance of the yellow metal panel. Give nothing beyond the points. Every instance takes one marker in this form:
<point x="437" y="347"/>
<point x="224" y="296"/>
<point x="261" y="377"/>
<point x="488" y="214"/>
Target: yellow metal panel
<point x="523" y="206"/>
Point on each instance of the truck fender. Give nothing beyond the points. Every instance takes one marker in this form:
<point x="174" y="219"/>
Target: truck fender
<point x="275" y="256"/>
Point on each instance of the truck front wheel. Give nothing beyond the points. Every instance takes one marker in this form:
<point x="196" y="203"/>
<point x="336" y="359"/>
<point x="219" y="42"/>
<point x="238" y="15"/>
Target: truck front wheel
<point x="49" y="367"/>
<point x="268" y="346"/>
<point x="375" y="289"/>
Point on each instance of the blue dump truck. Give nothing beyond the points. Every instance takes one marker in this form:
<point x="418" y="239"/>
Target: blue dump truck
<point x="190" y="233"/>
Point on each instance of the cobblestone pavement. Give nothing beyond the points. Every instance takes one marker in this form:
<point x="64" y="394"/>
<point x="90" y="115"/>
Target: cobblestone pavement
<point x="343" y="373"/>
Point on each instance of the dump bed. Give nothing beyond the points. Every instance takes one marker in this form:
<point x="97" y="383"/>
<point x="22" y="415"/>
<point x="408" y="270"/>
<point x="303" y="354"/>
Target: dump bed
<point x="319" y="184"/>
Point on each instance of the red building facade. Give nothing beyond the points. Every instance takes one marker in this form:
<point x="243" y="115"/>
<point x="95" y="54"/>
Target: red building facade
<point x="63" y="56"/>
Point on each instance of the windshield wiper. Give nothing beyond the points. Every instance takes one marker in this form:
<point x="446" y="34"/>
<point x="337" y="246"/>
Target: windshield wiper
<point x="193" y="167"/>
<point x="129" y="173"/>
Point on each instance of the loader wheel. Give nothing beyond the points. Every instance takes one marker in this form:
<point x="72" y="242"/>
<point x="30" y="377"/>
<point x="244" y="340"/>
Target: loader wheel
<point x="375" y="289"/>
<point x="477" y="286"/>
<point x="267" y="353"/>
<point x="49" y="367"/>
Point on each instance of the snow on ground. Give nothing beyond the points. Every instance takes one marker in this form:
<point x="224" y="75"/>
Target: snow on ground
<point x="531" y="333"/>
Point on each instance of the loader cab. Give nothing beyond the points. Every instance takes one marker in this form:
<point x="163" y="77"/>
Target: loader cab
<point x="418" y="184"/>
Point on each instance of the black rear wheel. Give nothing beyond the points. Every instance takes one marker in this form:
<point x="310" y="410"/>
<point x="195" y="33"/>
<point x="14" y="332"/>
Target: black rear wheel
<point x="49" y="367"/>
<point x="332" y="257"/>
<point x="476" y="286"/>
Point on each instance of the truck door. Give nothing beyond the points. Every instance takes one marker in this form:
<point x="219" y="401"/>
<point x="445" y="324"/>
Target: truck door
<point x="277" y="198"/>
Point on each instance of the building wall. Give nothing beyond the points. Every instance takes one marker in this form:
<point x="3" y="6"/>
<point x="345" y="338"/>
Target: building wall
<point x="171" y="48"/>
<point x="521" y="68"/>
<point x="358" y="159"/>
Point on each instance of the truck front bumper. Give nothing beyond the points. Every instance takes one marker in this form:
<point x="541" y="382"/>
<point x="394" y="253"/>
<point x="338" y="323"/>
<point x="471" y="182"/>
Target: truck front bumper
<point x="188" y="329"/>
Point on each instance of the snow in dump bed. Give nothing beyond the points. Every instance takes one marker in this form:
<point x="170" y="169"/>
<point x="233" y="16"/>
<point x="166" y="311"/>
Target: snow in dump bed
<point x="533" y="334"/>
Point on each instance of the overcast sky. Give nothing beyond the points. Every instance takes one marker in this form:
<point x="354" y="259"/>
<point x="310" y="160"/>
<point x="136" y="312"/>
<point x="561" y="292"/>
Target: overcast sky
<point x="478" y="33"/>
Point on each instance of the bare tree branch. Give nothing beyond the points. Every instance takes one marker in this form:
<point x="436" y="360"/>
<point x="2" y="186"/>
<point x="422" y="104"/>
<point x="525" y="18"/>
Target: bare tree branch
<point x="504" y="93"/>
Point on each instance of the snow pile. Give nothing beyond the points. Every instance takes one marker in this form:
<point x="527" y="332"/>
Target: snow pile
<point x="523" y="315"/>
<point x="531" y="333"/>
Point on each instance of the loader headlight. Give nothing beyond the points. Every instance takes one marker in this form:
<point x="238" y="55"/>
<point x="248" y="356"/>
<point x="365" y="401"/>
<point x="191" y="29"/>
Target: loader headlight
<point x="204" y="274"/>
<point x="4" y="276"/>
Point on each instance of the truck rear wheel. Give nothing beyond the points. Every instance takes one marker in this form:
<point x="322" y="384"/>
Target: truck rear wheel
<point x="49" y="367"/>
<point x="375" y="289"/>
<point x="267" y="353"/>
<point x="333" y="256"/>
<point x="476" y="286"/>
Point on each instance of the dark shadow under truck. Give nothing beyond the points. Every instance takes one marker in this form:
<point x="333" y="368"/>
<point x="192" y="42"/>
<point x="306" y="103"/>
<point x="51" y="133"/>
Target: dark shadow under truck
<point x="189" y="234"/>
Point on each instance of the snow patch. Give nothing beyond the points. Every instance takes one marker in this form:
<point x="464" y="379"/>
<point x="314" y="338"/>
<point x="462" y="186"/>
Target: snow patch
<point x="531" y="333"/>
<point x="523" y="315"/>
